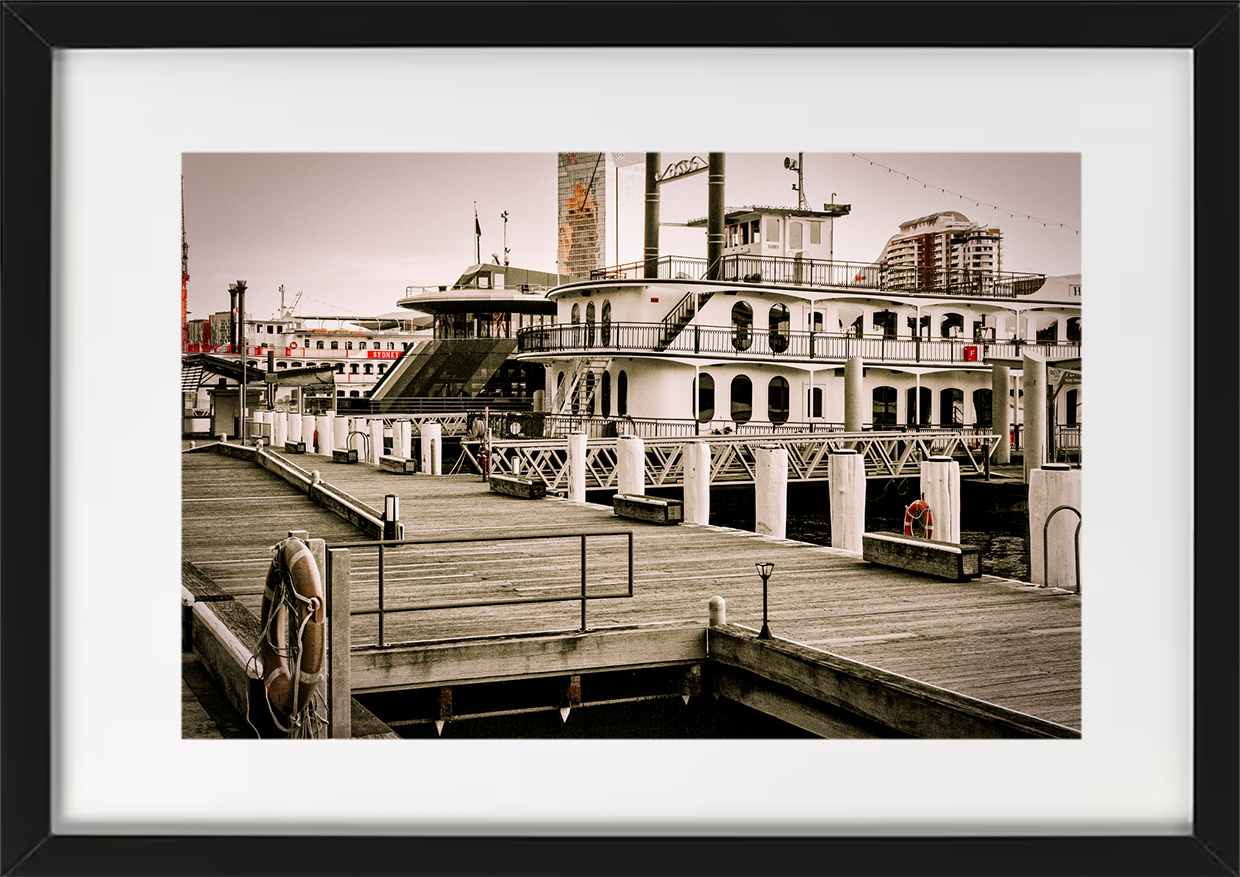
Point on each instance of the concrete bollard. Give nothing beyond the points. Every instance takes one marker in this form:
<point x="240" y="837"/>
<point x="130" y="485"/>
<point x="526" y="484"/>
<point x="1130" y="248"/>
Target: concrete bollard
<point x="279" y="429"/>
<point x="340" y="433"/>
<point x="846" y="488"/>
<point x="323" y="425"/>
<point x="376" y="440"/>
<point x="1001" y="412"/>
<point x="1054" y="485"/>
<point x="405" y="446"/>
<point x="577" y="467"/>
<point x="293" y="429"/>
<point x="697" y="483"/>
<point x="940" y="488"/>
<point x="771" y="490"/>
<point x="631" y="465"/>
<point x="718" y="611"/>
<point x="854" y="392"/>
<point x="432" y="448"/>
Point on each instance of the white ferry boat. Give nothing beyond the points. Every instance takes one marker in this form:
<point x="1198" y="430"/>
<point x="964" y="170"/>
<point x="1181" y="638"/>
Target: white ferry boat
<point x="755" y="338"/>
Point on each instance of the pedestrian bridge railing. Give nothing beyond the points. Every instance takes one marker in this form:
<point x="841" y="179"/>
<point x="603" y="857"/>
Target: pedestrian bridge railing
<point x="886" y="455"/>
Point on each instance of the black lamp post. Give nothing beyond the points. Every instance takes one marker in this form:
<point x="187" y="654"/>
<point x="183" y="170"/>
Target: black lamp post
<point x="764" y="570"/>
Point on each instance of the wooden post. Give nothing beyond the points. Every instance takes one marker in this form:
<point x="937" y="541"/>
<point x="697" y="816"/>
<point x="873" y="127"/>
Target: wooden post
<point x="697" y="482"/>
<point x="339" y="688"/>
<point x="1033" y="439"/>
<point x="771" y="490"/>
<point x="940" y="487"/>
<point x="846" y="489"/>
<point x="854" y="391"/>
<point x="631" y="465"/>
<point x="1001" y="411"/>
<point x="1054" y="485"/>
<point x="577" y="467"/>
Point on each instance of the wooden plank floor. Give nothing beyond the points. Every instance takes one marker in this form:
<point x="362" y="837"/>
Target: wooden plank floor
<point x="994" y="639"/>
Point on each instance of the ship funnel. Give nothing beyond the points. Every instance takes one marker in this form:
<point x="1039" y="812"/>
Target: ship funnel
<point x="651" y="268"/>
<point x="714" y="216"/>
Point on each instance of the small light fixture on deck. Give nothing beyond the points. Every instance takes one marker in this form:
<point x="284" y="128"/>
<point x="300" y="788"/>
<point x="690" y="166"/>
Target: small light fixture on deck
<point x="764" y="569"/>
<point x="391" y="516"/>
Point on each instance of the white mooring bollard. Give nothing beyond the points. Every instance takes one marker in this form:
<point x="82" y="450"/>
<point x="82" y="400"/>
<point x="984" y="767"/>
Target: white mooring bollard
<point x="854" y="394"/>
<point x="1052" y="486"/>
<point x="293" y="433"/>
<point x="340" y="433"/>
<point x="432" y="448"/>
<point x="631" y="465"/>
<point x="697" y="483"/>
<point x="405" y="446"/>
<point x="940" y="488"/>
<point x="771" y="490"/>
<point x="577" y="467"/>
<point x="846" y="488"/>
<point x="279" y="429"/>
<point x="323" y="442"/>
<point x="718" y="608"/>
<point x="376" y="440"/>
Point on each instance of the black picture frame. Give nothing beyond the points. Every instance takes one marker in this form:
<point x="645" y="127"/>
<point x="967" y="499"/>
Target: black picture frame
<point x="31" y="31"/>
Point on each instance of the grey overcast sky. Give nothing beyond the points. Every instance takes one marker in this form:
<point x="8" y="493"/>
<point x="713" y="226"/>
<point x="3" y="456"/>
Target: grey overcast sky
<point x="351" y="231"/>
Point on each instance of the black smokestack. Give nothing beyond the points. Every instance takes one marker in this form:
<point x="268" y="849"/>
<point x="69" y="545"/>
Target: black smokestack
<point x="714" y="216"/>
<point x="652" y="216"/>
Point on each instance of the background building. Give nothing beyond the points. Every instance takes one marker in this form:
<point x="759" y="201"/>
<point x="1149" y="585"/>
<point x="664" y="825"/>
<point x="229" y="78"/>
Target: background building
<point x="600" y="210"/>
<point x="942" y="251"/>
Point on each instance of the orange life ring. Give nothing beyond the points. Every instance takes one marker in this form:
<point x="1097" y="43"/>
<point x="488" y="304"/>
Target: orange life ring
<point x="293" y="344"/>
<point x="918" y="515"/>
<point x="293" y="584"/>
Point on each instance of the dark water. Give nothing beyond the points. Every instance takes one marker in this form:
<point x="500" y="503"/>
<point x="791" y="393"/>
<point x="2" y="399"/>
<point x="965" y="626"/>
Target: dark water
<point x="1001" y="533"/>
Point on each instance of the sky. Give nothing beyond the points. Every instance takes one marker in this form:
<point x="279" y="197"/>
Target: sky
<point x="351" y="231"/>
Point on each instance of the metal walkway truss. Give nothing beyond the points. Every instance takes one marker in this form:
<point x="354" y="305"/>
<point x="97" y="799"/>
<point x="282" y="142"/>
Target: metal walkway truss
<point x="732" y="461"/>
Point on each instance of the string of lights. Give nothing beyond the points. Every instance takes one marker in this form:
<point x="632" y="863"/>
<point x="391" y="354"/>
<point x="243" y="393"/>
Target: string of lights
<point x="1047" y="223"/>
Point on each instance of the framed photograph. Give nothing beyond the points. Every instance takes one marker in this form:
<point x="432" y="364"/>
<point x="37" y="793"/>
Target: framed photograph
<point x="106" y="105"/>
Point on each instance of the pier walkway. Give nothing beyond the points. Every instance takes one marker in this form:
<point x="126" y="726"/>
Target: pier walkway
<point x="1001" y="641"/>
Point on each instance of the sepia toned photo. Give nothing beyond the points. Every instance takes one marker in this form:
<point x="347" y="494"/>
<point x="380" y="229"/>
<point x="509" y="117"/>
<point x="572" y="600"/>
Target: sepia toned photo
<point x="631" y="445"/>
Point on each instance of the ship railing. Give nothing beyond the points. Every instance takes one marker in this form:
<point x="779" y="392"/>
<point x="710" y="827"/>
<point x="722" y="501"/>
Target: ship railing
<point x="405" y="576"/>
<point x="824" y="273"/>
<point x="748" y="342"/>
<point x="538" y="425"/>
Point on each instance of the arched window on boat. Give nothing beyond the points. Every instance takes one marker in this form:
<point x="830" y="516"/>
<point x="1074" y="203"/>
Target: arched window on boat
<point x="575" y="318"/>
<point x="885" y="323"/>
<point x="951" y="407"/>
<point x="1046" y="327"/>
<point x="951" y="326"/>
<point x="340" y="368"/>
<point x="815" y="321"/>
<point x="705" y="398"/>
<point x="919" y="414"/>
<point x="883" y="407"/>
<point x="777" y="400"/>
<point x="319" y="346"/>
<point x="335" y="345"/>
<point x="606" y="394"/>
<point x="348" y="345"/>
<point x="353" y="369"/>
<point x="605" y="329"/>
<point x="367" y="369"/>
<point x="1072" y="329"/>
<point x="281" y="365"/>
<point x="815" y="402"/>
<point x="778" y="327"/>
<point x="382" y="368"/>
<point x="982" y="413"/>
<point x="622" y="394"/>
<point x="913" y="327"/>
<point x="590" y="324"/>
<point x="742" y="399"/>
<point x="362" y="346"/>
<point x="852" y="321"/>
<point x="1015" y="328"/>
<point x="742" y="325"/>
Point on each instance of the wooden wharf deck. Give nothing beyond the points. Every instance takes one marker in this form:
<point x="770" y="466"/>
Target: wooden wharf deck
<point x="1001" y="641"/>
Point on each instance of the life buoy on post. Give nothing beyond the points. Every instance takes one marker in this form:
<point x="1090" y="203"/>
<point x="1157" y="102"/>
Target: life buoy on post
<point x="293" y="622"/>
<point x="918" y="521"/>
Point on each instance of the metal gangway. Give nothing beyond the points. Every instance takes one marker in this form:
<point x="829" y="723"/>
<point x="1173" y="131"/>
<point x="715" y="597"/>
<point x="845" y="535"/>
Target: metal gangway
<point x="732" y="461"/>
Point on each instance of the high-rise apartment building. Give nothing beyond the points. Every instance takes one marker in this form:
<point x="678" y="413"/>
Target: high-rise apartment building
<point x="600" y="210"/>
<point x="942" y="251"/>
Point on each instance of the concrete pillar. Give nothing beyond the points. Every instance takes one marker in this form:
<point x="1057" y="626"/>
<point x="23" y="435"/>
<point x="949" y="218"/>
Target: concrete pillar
<point x="279" y="428"/>
<point x="846" y="488"/>
<point x="771" y="490"/>
<point x="940" y="488"/>
<point x="577" y="467"/>
<point x="1054" y="485"/>
<point x="376" y="440"/>
<point x="1033" y="437"/>
<point x="631" y="465"/>
<point x="323" y="423"/>
<point x="697" y="482"/>
<point x="432" y="448"/>
<point x="293" y="429"/>
<point x="340" y="432"/>
<point x="854" y="393"/>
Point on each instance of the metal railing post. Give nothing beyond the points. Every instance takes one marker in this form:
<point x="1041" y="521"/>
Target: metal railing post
<point x="583" y="582"/>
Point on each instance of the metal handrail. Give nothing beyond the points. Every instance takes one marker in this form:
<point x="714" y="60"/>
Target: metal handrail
<point x="583" y="597"/>
<point x="1077" y="539"/>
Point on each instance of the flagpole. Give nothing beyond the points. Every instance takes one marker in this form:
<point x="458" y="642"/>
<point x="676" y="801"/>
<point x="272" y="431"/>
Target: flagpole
<point x="477" y="237"/>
